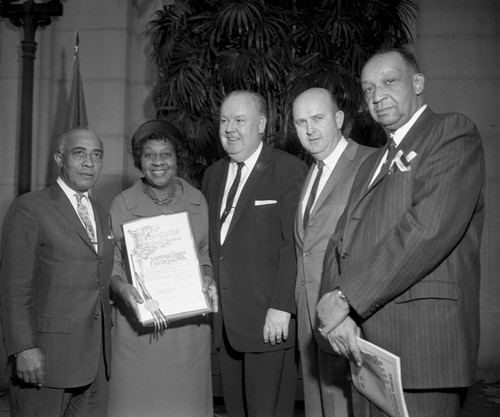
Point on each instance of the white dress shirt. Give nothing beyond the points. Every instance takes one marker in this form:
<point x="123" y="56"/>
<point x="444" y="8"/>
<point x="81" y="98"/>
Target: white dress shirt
<point x="231" y="174"/>
<point x="330" y="161"/>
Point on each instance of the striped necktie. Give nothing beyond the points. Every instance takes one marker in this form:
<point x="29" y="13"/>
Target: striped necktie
<point x="312" y="195"/>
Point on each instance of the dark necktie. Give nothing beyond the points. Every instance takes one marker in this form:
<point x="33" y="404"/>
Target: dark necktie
<point x="85" y="217"/>
<point x="312" y="195"/>
<point x="232" y="193"/>
<point x="391" y="150"/>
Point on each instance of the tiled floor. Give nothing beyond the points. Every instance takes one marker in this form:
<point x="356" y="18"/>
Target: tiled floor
<point x="483" y="399"/>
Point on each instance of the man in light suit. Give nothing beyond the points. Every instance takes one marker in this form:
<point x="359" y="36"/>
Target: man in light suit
<point x="54" y="284"/>
<point x="251" y="212"/>
<point x="404" y="261"/>
<point x="318" y="121"/>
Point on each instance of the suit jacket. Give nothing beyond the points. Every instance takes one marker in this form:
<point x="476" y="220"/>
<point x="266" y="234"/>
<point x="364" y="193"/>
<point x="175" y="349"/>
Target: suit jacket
<point x="310" y="244"/>
<point x="55" y="286"/>
<point x="406" y="252"/>
<point x="255" y="268"/>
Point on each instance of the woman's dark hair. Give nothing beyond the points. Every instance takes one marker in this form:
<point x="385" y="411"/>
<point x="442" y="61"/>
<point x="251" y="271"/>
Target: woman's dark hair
<point x="158" y="129"/>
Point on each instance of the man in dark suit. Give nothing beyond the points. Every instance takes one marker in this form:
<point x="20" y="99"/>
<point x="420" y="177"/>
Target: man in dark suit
<point x="318" y="121"/>
<point x="54" y="283"/>
<point x="251" y="212"/>
<point x="404" y="261"/>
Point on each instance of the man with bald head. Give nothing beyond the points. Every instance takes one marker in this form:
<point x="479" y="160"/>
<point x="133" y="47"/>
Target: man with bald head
<point x="319" y="121"/>
<point x="403" y="265"/>
<point x="57" y="255"/>
<point x="252" y="195"/>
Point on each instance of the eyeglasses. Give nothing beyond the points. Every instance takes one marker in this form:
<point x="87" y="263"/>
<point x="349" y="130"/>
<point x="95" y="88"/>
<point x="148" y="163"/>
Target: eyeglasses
<point x="80" y="154"/>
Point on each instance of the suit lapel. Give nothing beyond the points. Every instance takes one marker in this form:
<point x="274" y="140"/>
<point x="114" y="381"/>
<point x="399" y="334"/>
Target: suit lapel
<point x="412" y="141"/>
<point x="339" y="171"/>
<point x="101" y="225"/>
<point x="380" y="175"/>
<point x="64" y="206"/>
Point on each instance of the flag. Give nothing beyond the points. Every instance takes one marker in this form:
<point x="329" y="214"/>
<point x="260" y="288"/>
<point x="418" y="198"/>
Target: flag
<point x="77" y="112"/>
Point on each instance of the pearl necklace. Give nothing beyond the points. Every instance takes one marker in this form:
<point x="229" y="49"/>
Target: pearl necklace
<point x="165" y="201"/>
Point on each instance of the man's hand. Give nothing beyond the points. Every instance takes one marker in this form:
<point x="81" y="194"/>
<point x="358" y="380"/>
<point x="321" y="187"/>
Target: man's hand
<point x="30" y="366"/>
<point x="344" y="340"/>
<point x="209" y="285"/>
<point x="276" y="326"/>
<point x="332" y="310"/>
<point x="127" y="292"/>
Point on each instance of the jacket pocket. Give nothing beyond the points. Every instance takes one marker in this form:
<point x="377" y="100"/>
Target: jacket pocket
<point x="429" y="289"/>
<point x="53" y="324"/>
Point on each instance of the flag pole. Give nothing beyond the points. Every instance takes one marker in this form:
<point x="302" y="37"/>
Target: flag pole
<point x="77" y="111"/>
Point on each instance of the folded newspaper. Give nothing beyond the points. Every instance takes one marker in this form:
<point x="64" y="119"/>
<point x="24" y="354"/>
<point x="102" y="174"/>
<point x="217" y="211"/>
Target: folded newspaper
<point x="379" y="379"/>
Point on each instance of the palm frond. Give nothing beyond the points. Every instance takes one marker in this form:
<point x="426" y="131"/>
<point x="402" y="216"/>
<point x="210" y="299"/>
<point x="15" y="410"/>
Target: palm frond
<point x="206" y="48"/>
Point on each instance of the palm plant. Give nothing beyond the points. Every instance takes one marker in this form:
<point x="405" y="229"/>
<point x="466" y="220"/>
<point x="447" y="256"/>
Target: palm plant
<point x="206" y="48"/>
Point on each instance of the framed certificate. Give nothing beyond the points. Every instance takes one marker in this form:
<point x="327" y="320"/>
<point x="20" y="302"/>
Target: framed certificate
<point x="165" y="268"/>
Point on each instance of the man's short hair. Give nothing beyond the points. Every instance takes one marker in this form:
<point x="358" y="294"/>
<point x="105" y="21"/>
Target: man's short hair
<point x="258" y="99"/>
<point x="61" y="143"/>
<point x="404" y="53"/>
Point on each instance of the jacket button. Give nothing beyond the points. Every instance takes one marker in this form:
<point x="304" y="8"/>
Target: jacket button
<point x="302" y="283"/>
<point x="344" y="255"/>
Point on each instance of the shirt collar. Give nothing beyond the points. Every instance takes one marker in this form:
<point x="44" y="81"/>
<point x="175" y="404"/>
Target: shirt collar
<point x="400" y="133"/>
<point x="252" y="159"/>
<point x="70" y="193"/>
<point x="331" y="160"/>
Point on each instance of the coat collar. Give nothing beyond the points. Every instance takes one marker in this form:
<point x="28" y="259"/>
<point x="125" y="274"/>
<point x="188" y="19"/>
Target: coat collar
<point x="66" y="209"/>
<point x="409" y="143"/>
<point x="140" y="204"/>
<point x="262" y="165"/>
<point x="339" y="171"/>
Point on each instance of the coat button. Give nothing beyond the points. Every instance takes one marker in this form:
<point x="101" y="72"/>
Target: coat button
<point x="302" y="283"/>
<point x="344" y="255"/>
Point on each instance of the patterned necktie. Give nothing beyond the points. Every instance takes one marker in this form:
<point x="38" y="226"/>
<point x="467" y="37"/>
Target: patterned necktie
<point x="312" y="196"/>
<point x="85" y="217"/>
<point x="232" y="193"/>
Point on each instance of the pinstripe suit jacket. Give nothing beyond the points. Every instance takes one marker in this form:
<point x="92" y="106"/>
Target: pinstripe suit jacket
<point x="406" y="252"/>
